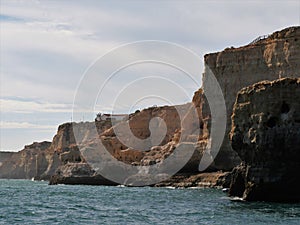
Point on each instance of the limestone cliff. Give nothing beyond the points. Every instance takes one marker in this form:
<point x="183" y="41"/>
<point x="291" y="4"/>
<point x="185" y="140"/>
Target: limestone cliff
<point x="265" y="133"/>
<point x="27" y="163"/>
<point x="269" y="58"/>
<point x="5" y="156"/>
<point x="265" y="59"/>
<point x="41" y="160"/>
<point x="139" y="124"/>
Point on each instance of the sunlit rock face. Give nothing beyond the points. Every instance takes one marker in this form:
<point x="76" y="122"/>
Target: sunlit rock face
<point x="266" y="135"/>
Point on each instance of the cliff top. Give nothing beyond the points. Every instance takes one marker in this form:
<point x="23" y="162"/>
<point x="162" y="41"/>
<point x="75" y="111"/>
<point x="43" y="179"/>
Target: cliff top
<point x="290" y="32"/>
<point x="263" y="84"/>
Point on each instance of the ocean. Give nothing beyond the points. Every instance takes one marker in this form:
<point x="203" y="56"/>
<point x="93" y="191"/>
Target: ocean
<point x="35" y="202"/>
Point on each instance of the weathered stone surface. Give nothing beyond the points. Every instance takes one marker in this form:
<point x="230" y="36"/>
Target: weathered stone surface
<point x="271" y="58"/>
<point x="5" y="156"/>
<point x="41" y="160"/>
<point x="186" y="180"/>
<point x="139" y="126"/>
<point x="78" y="173"/>
<point x="139" y="123"/>
<point x="26" y="163"/>
<point x="265" y="133"/>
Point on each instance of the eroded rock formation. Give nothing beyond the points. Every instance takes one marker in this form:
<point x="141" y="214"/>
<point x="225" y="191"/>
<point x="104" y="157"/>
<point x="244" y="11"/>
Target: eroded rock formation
<point x="26" y="163"/>
<point x="41" y="160"/>
<point x="266" y="135"/>
<point x="270" y="58"/>
<point x="78" y="173"/>
<point x="185" y="180"/>
<point x="140" y="127"/>
<point x="5" y="156"/>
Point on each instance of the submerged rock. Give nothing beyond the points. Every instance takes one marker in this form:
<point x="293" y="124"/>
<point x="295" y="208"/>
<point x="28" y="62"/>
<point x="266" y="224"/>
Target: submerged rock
<point x="266" y="135"/>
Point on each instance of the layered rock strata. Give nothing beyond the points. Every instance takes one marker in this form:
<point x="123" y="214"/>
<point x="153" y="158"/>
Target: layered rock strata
<point x="269" y="58"/>
<point x="234" y="68"/>
<point x="140" y="128"/>
<point x="202" y="180"/>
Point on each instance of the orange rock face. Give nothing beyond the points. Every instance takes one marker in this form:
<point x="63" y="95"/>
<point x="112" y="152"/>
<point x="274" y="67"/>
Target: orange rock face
<point x="139" y="124"/>
<point x="276" y="56"/>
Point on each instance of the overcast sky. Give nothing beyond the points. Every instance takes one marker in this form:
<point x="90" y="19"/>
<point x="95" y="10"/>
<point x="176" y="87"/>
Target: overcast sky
<point x="46" y="47"/>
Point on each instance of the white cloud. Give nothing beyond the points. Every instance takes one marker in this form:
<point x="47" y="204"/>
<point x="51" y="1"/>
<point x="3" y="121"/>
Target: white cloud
<point x="51" y="38"/>
<point x="17" y="106"/>
<point x="24" y="125"/>
<point x="47" y="45"/>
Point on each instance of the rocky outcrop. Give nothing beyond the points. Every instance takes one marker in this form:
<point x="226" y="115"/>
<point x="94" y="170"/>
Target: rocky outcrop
<point x="27" y="163"/>
<point x="41" y="160"/>
<point x="139" y="123"/>
<point x="269" y="58"/>
<point x="140" y="127"/>
<point x="64" y="147"/>
<point x="5" y="156"/>
<point x="187" y="180"/>
<point x="265" y="133"/>
<point x="78" y="173"/>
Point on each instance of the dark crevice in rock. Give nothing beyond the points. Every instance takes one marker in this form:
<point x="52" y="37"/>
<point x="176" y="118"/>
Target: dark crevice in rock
<point x="285" y="108"/>
<point x="272" y="121"/>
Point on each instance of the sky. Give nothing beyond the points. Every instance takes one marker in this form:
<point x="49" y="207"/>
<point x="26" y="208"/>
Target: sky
<point x="48" y="47"/>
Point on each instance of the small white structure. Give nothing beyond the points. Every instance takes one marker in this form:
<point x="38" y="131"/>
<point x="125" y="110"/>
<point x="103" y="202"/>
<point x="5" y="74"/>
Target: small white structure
<point x="106" y="116"/>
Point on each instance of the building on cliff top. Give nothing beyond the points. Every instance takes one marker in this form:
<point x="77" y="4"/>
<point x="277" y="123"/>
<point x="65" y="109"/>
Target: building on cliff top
<point x="110" y="117"/>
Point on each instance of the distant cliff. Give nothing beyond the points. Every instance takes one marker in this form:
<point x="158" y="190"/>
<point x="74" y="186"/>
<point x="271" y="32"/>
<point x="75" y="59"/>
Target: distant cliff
<point x="5" y="155"/>
<point x="41" y="160"/>
<point x="27" y="163"/>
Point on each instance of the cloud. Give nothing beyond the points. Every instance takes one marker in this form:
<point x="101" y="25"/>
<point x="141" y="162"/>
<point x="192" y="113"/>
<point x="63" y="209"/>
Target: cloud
<point x="52" y="47"/>
<point x="46" y="46"/>
<point x="24" y="125"/>
<point x="52" y="38"/>
<point x="28" y="106"/>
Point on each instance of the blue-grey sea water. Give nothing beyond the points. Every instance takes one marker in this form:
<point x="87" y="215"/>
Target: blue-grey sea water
<point x="31" y="202"/>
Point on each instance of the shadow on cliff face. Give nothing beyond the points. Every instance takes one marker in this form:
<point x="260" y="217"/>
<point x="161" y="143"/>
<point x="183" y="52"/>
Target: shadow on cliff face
<point x="265" y="133"/>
